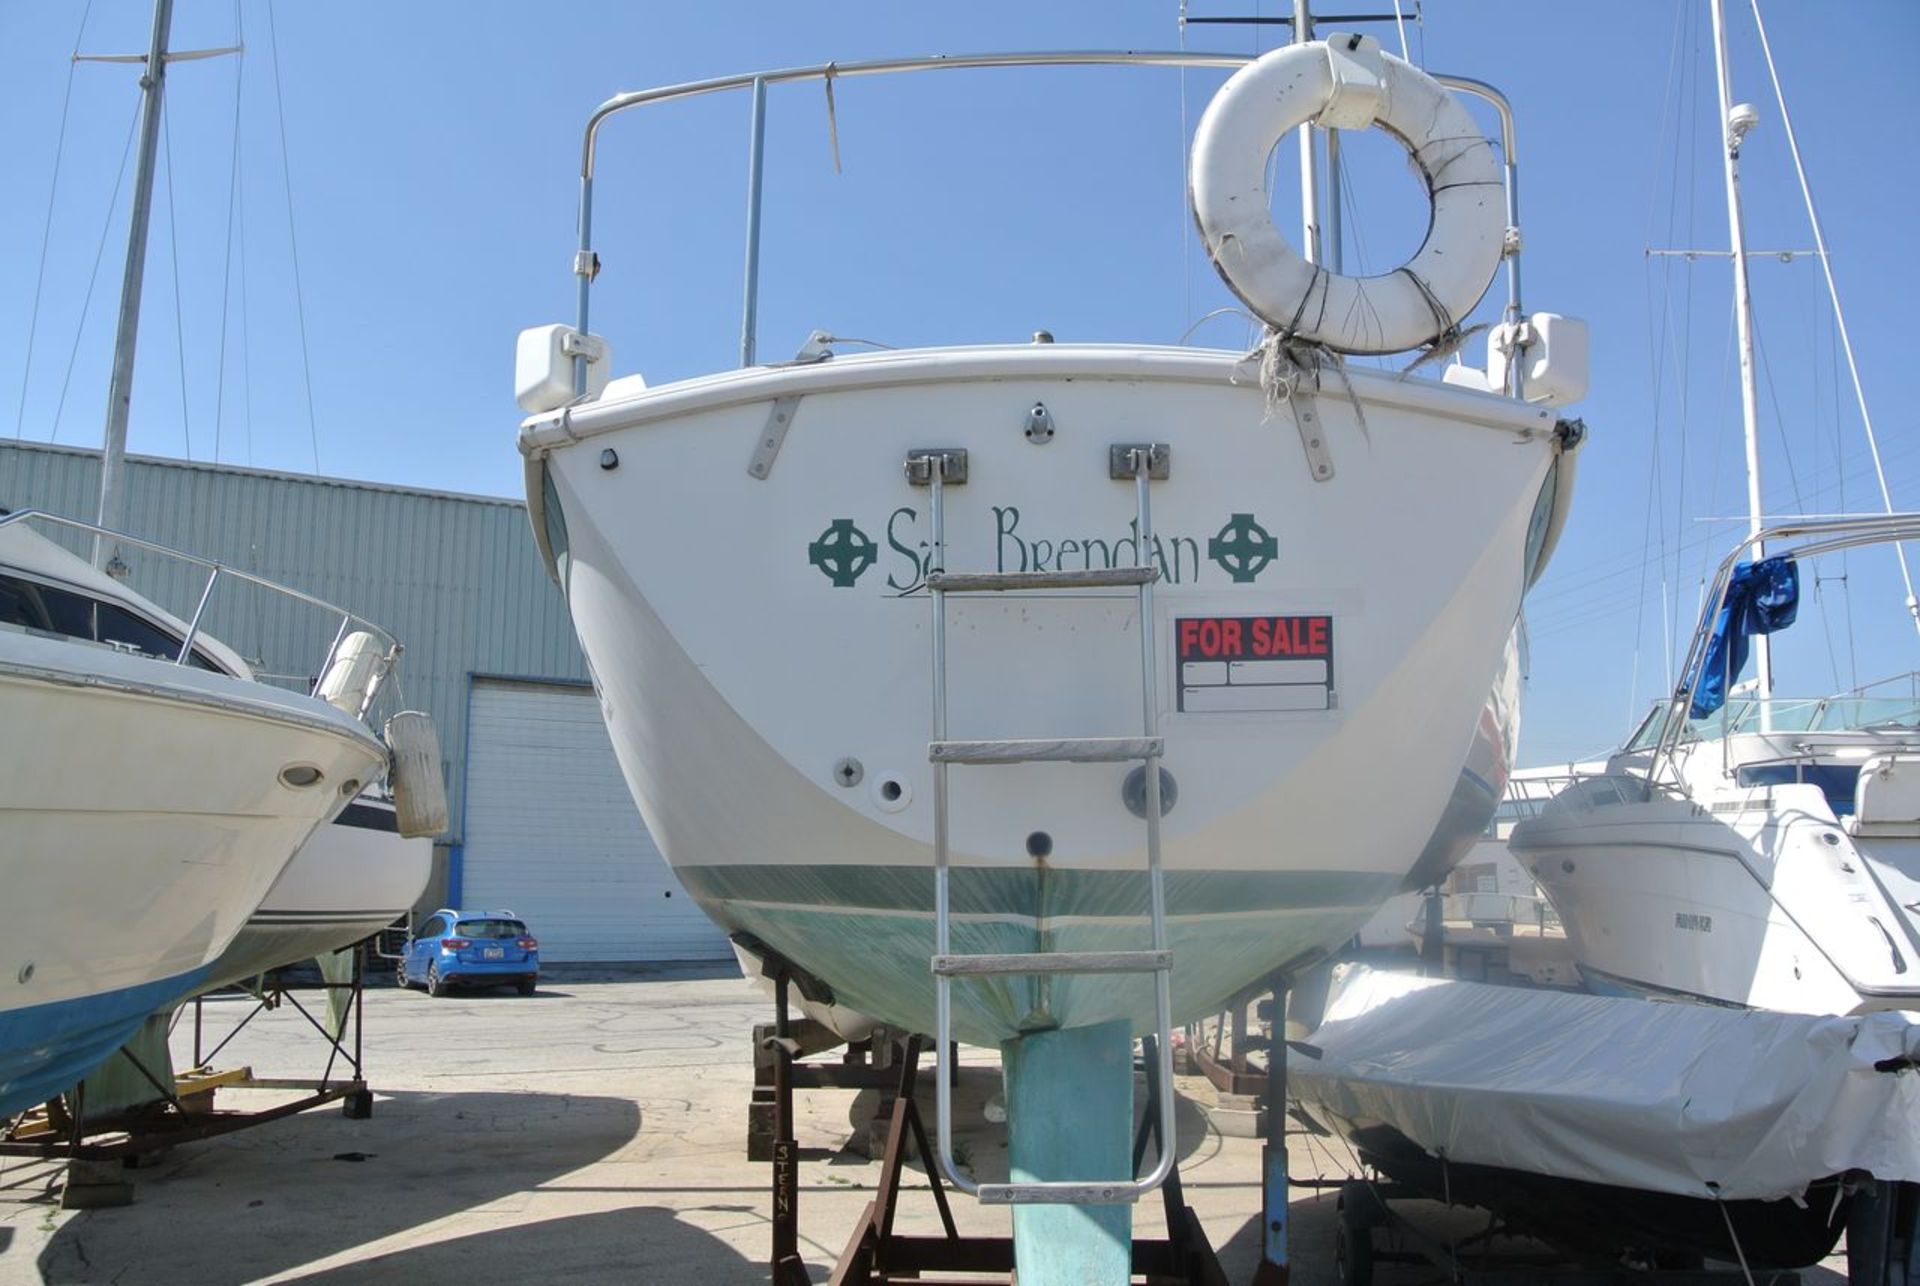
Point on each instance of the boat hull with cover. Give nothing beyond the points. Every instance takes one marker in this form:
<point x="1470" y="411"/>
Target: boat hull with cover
<point x="761" y="657"/>
<point x="1616" y="1129"/>
<point x="148" y="807"/>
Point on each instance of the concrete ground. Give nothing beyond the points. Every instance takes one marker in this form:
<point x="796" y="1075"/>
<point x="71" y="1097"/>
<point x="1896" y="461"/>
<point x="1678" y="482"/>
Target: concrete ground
<point x="593" y="1132"/>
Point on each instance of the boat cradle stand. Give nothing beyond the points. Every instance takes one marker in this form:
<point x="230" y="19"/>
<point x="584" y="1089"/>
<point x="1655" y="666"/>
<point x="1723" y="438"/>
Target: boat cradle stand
<point x="876" y="1255"/>
<point x="99" y="1149"/>
<point x="863" y="1064"/>
<point x="1883" y="1246"/>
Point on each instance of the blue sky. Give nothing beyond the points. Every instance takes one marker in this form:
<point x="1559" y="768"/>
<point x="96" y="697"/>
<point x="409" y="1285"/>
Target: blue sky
<point x="430" y="154"/>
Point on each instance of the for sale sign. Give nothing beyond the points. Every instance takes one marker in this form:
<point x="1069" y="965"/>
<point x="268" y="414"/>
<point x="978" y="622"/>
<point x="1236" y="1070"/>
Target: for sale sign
<point x="1254" y="664"/>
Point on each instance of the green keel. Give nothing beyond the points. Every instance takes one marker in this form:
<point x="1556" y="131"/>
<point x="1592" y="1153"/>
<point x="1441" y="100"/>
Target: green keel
<point x="1070" y="1116"/>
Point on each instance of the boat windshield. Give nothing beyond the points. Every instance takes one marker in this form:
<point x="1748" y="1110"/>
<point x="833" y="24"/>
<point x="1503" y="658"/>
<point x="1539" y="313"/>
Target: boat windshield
<point x="1648" y="732"/>
<point x="1809" y="714"/>
<point x="1849" y="712"/>
<point x="52" y="609"/>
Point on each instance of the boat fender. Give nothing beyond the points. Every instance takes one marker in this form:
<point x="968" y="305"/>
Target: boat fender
<point x="353" y="675"/>
<point x="419" y="791"/>
<point x="1347" y="82"/>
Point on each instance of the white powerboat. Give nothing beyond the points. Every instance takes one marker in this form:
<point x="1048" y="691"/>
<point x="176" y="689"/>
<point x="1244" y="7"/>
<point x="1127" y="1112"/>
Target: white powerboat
<point x="1160" y="602"/>
<point x="1762" y="853"/>
<point x="1745" y="848"/>
<point x="355" y="877"/>
<point x="152" y="787"/>
<point x="151" y="791"/>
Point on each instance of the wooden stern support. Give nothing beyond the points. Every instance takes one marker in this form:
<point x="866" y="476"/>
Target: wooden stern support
<point x="876" y="1255"/>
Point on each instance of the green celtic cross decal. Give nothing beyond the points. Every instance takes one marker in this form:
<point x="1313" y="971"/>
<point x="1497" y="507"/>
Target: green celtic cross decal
<point x="843" y="553"/>
<point x="1243" y="548"/>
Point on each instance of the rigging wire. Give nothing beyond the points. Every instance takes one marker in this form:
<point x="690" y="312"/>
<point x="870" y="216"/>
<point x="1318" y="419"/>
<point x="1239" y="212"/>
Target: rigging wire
<point x="1685" y="356"/>
<point x="226" y="279"/>
<point x="1846" y="569"/>
<point x="246" y="332"/>
<point x="1654" y="518"/>
<point x="1576" y="583"/>
<point x="1833" y="293"/>
<point x="46" y="227"/>
<point x="179" y="325"/>
<point x="1185" y="221"/>
<point x="86" y="302"/>
<point x="1590" y="606"/>
<point x="299" y="298"/>
<point x="1799" y="500"/>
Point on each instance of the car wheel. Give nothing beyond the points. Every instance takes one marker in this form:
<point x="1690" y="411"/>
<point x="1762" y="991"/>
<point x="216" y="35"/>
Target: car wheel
<point x="434" y="986"/>
<point x="527" y="985"/>
<point x="400" y="978"/>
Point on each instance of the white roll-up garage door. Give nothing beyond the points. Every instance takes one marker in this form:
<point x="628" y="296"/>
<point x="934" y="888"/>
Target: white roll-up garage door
<point x="552" y="834"/>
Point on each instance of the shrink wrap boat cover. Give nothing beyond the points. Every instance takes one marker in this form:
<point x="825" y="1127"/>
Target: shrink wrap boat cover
<point x="1677" y="1098"/>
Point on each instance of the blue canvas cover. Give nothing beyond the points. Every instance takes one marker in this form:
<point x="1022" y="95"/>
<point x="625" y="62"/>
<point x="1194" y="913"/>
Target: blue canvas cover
<point x="1761" y="597"/>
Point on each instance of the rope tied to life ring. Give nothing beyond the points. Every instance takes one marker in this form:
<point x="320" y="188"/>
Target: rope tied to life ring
<point x="1291" y="366"/>
<point x="1450" y="338"/>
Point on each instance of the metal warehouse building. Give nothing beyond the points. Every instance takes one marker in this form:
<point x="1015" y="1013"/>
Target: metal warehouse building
<point x="542" y="821"/>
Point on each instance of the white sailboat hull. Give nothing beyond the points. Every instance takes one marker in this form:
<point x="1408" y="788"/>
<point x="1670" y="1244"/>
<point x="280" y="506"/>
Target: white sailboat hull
<point x="741" y="655"/>
<point x="145" y="819"/>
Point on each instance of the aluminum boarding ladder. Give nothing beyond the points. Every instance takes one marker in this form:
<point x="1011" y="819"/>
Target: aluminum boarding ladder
<point x="936" y="469"/>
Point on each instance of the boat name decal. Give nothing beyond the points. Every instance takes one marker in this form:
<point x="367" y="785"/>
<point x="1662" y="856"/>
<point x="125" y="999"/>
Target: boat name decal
<point x="1242" y="548"/>
<point x="1691" y="920"/>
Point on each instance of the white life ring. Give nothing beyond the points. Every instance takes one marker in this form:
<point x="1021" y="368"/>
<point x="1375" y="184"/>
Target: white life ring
<point x="1346" y="81"/>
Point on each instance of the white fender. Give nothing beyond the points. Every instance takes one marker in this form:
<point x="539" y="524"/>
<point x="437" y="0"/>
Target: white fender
<point x="354" y="674"/>
<point x="419" y="791"/>
<point x="1343" y="81"/>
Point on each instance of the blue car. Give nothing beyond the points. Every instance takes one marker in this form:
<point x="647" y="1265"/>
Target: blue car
<point x="470" y="948"/>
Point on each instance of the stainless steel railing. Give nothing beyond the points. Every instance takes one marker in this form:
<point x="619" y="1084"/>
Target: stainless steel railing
<point x="586" y="264"/>
<point x="216" y="572"/>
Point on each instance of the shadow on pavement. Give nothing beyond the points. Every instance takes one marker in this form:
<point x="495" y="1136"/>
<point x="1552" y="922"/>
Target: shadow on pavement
<point x="638" y="1244"/>
<point x="265" y="1201"/>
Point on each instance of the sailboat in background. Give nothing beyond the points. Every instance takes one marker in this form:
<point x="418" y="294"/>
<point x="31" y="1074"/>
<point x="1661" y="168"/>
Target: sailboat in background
<point x="153" y="788"/>
<point x="1744" y="848"/>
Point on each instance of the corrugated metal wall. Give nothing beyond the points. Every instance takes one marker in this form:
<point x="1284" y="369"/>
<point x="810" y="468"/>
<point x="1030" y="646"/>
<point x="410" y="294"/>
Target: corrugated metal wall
<point x="455" y="578"/>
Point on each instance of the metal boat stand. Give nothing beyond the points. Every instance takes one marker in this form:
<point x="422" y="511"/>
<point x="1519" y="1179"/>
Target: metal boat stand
<point x="1218" y="1049"/>
<point x="863" y="1064"/>
<point x="876" y="1255"/>
<point x="93" y="1146"/>
<point x="1368" y="1218"/>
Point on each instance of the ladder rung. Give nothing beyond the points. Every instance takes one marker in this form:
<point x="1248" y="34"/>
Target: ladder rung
<point x="1079" y="750"/>
<point x="1058" y="1194"/>
<point x="1054" y="962"/>
<point x="986" y="582"/>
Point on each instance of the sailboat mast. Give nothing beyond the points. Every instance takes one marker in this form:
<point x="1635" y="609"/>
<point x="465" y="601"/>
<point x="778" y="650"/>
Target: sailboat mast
<point x="113" y="483"/>
<point x="1734" y="129"/>
<point x="1309" y="159"/>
